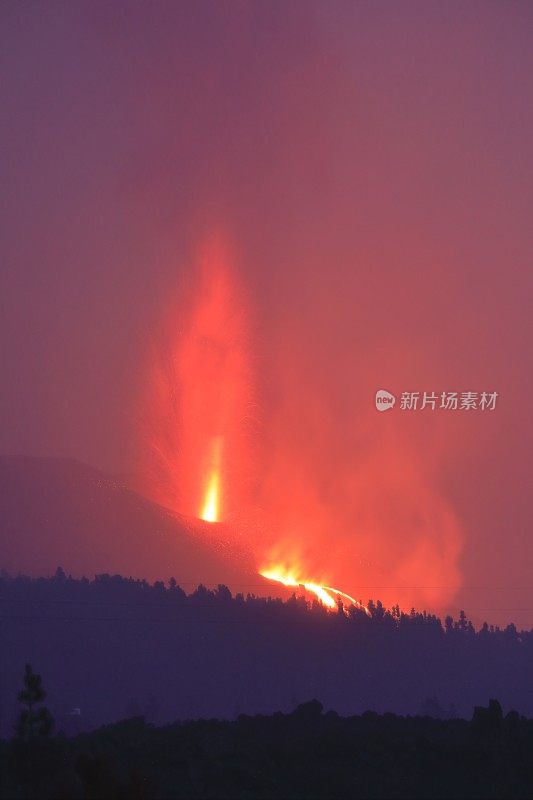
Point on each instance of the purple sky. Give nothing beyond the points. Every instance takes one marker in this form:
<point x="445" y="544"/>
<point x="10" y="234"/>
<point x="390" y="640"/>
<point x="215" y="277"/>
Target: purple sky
<point x="371" y="162"/>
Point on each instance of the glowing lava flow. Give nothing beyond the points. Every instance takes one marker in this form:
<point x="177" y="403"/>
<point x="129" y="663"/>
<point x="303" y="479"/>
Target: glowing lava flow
<point x="324" y="593"/>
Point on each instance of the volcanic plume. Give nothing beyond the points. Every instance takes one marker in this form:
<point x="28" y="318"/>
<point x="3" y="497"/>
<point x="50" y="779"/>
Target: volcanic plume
<point x="371" y="531"/>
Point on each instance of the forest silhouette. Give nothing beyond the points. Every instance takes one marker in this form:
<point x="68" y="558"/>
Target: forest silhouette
<point x="304" y="754"/>
<point x="114" y="647"/>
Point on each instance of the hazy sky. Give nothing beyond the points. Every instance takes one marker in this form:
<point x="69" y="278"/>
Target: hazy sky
<point x="371" y="164"/>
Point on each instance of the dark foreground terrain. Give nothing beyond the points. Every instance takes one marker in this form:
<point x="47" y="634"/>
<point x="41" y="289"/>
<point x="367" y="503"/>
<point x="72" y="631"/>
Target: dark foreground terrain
<point x="305" y="754"/>
<point x="113" y="648"/>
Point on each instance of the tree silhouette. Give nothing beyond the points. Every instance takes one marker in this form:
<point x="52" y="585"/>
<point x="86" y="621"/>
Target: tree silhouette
<point x="33" y="721"/>
<point x="488" y="722"/>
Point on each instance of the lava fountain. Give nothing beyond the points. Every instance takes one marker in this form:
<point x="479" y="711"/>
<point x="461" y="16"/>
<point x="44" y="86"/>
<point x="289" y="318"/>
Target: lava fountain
<point x="199" y="405"/>
<point x="210" y="510"/>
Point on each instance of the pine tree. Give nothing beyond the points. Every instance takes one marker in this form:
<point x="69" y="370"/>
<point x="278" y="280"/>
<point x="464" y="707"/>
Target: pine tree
<point x="35" y="719"/>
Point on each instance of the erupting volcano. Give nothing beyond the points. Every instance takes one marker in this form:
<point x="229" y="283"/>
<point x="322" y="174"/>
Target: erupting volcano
<point x="199" y="420"/>
<point x="310" y="515"/>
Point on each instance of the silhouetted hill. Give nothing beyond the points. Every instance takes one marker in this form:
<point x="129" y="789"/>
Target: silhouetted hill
<point x="113" y="647"/>
<point x="59" y="511"/>
<point x="304" y="755"/>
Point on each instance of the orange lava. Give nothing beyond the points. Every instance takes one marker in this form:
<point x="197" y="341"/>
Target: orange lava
<point x="326" y="594"/>
<point x="210" y="510"/>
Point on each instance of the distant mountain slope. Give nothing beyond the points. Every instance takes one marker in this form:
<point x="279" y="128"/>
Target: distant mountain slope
<point x="62" y="512"/>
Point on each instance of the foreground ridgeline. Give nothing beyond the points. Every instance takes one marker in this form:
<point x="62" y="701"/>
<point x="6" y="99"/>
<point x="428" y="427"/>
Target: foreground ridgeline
<point x="113" y="648"/>
<point x="303" y="755"/>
